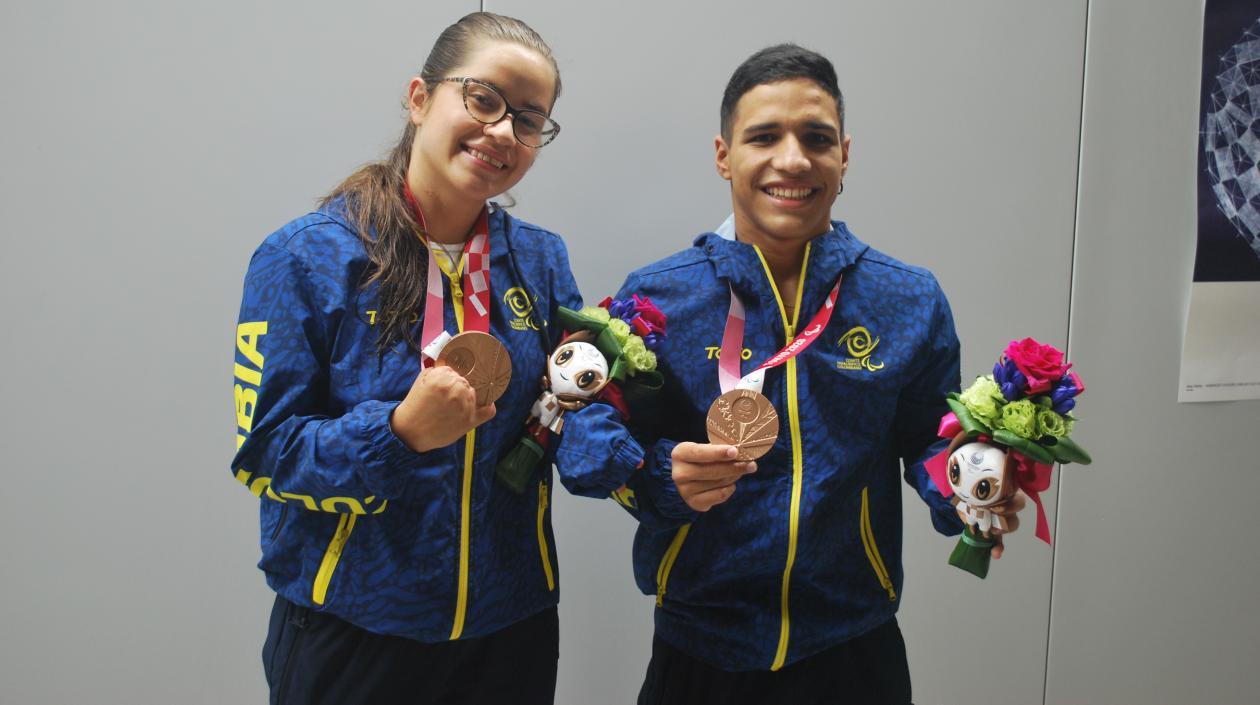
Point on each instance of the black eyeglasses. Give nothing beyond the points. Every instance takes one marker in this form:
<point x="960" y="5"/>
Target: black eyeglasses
<point x="487" y="105"/>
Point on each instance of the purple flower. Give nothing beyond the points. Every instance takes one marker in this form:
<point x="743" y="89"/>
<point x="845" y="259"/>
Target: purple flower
<point x="1009" y="379"/>
<point x="652" y="341"/>
<point x="622" y="308"/>
<point x="1062" y="398"/>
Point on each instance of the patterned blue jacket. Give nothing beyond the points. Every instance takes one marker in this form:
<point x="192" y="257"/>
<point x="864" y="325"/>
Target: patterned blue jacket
<point x="807" y="552"/>
<point x="421" y="545"/>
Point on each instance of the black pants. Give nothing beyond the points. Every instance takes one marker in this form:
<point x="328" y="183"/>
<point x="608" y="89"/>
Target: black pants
<point x="870" y="669"/>
<point x="312" y="658"/>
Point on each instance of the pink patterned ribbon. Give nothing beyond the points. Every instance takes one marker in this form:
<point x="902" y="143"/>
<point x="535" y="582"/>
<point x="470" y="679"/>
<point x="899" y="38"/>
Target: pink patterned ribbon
<point x="733" y="342"/>
<point x="476" y="279"/>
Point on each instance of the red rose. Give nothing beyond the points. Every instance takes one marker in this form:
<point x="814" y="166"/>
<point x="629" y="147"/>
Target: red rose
<point x="1043" y="365"/>
<point x="650" y="313"/>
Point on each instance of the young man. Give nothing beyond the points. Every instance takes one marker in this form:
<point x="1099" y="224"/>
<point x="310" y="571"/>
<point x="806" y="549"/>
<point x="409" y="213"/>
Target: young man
<point x="778" y="580"/>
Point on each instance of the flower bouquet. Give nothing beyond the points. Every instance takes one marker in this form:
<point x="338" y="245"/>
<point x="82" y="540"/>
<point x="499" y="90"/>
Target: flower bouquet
<point x="1006" y="432"/>
<point x="608" y="354"/>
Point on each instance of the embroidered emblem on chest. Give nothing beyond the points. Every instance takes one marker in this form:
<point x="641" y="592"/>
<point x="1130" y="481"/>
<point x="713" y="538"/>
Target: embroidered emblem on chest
<point x="860" y="346"/>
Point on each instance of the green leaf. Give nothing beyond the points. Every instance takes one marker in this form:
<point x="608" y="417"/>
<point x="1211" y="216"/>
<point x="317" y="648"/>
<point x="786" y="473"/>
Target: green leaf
<point x="1034" y="451"/>
<point x="970" y="425"/>
<point x="1067" y="451"/>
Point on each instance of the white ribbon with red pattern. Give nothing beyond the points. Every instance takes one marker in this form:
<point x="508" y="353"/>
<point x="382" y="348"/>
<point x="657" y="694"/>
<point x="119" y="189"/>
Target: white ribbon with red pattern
<point x="433" y="337"/>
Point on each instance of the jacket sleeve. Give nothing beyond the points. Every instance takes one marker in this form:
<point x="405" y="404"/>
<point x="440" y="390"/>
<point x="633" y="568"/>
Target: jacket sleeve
<point x="920" y="407"/>
<point x="649" y="492"/>
<point x="596" y="454"/>
<point x="288" y="445"/>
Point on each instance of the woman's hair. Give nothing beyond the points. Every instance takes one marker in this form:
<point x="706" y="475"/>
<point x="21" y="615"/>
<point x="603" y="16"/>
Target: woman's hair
<point x="373" y="195"/>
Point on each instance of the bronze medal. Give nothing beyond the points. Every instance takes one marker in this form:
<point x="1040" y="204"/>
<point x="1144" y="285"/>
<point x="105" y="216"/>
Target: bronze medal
<point x="482" y="360"/>
<point x="744" y="419"/>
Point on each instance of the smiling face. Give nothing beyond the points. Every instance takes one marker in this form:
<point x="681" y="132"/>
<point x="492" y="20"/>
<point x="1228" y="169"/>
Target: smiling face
<point x="976" y="474"/>
<point x="453" y="154"/>
<point x="785" y="158"/>
<point x="577" y="369"/>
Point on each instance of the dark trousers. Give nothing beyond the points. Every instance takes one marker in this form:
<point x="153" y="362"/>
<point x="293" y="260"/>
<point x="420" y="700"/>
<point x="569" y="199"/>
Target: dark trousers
<point x="870" y="669"/>
<point x="311" y="658"/>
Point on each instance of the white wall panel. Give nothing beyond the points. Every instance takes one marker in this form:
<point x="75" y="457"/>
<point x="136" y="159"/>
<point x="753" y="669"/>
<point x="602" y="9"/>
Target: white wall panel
<point x="148" y="148"/>
<point x="1156" y="571"/>
<point x="965" y="122"/>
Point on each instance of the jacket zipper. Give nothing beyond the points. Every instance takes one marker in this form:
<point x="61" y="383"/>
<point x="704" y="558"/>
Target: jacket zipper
<point x="667" y="562"/>
<point x="542" y="536"/>
<point x="872" y="550"/>
<point x="345" y="525"/>
<point x="465" y="512"/>
<point x="465" y="503"/>
<point x="798" y="461"/>
<point x="284" y="512"/>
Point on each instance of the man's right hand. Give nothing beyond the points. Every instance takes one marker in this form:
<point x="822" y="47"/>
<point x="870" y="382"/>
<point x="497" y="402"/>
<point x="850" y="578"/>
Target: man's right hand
<point x="705" y="474"/>
<point x="438" y="410"/>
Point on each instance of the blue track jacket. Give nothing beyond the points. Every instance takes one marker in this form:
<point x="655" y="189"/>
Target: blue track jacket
<point x="421" y="545"/>
<point x="807" y="552"/>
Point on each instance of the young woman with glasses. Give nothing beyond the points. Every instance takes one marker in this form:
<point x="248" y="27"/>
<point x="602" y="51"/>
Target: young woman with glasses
<point x="404" y="571"/>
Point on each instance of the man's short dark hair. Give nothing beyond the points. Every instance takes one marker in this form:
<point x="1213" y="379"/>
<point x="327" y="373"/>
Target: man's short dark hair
<point x="779" y="63"/>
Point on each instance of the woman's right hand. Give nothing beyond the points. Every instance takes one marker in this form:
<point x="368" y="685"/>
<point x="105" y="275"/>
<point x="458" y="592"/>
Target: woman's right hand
<point x="438" y="410"/>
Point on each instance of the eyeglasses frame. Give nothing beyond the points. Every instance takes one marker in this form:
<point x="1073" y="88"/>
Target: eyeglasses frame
<point x="508" y="109"/>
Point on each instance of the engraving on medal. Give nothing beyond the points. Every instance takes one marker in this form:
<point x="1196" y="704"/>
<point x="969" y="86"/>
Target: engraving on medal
<point x="745" y="419"/>
<point x="480" y="359"/>
<point x="462" y="361"/>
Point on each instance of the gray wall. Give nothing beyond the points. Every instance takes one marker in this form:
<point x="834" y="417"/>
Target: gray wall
<point x="149" y="147"/>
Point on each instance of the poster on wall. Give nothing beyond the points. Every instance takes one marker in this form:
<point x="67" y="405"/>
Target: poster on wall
<point x="1220" y="354"/>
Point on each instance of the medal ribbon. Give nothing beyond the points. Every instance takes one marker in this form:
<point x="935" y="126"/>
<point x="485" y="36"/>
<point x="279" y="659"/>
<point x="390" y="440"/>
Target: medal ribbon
<point x="733" y="343"/>
<point x="476" y="282"/>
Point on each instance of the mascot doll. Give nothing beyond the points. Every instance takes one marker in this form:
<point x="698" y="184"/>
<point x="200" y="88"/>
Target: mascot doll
<point x="1006" y="431"/>
<point x="607" y="355"/>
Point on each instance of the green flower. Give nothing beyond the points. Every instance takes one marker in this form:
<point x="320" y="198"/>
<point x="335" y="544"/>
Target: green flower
<point x="638" y="357"/>
<point x="595" y="312"/>
<point x="1020" y="418"/>
<point x="1050" y="423"/>
<point x="619" y="329"/>
<point x="1068" y="423"/>
<point x="984" y="400"/>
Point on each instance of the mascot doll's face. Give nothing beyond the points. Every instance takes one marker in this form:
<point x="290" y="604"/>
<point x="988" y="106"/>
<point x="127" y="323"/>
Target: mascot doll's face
<point x="577" y="369"/>
<point x="976" y="474"/>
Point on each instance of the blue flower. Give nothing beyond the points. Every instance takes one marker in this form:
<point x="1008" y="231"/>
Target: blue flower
<point x="1010" y="380"/>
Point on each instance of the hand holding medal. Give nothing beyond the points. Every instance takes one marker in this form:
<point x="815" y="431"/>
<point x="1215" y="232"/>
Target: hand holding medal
<point x="482" y="360"/>
<point x="463" y="375"/>
<point x="742" y="424"/>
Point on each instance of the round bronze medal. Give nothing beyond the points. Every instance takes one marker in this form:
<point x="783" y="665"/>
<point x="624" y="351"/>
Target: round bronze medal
<point x="744" y="419"/>
<point x="480" y="359"/>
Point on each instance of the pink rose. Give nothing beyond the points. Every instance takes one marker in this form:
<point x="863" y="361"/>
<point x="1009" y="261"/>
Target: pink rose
<point x="1043" y="365"/>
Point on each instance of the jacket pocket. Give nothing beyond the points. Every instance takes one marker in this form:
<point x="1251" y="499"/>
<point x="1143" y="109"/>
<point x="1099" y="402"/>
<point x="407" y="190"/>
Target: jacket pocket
<point x="543" y="502"/>
<point x="667" y="563"/>
<point x="872" y="549"/>
<point x="332" y="556"/>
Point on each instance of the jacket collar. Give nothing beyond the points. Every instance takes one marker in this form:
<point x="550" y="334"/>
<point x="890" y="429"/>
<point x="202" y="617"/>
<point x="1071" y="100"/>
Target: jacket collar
<point x="738" y="263"/>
